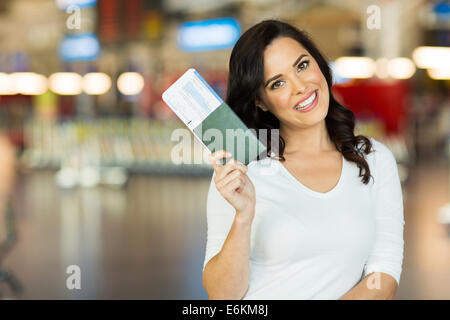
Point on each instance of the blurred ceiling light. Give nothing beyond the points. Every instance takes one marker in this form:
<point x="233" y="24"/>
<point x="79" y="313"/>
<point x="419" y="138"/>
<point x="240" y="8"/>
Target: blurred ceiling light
<point x="432" y="57"/>
<point x="381" y="68"/>
<point x="130" y="83"/>
<point x="6" y="84"/>
<point x="66" y="83"/>
<point x="439" y="74"/>
<point x="96" y="83"/>
<point x="401" y="68"/>
<point x="336" y="78"/>
<point x="29" y="83"/>
<point x="355" y="67"/>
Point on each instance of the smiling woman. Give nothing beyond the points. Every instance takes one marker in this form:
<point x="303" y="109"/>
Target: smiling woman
<point x="274" y="67"/>
<point x="318" y="227"/>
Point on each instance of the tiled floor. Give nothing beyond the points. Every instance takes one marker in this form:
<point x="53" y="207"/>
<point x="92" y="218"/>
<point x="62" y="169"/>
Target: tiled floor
<point x="144" y="242"/>
<point x="147" y="241"/>
<point x="426" y="271"/>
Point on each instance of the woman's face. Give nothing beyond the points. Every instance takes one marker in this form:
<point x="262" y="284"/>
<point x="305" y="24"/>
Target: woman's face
<point x="294" y="89"/>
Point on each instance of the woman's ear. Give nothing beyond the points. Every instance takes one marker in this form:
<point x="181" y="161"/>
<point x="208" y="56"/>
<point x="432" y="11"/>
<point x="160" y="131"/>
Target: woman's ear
<point x="261" y="105"/>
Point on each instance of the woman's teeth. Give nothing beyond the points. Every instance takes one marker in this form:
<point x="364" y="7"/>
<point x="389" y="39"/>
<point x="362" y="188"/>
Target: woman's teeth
<point x="307" y="103"/>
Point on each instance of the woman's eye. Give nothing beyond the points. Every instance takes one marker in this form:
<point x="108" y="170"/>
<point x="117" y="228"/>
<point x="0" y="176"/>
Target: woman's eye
<point x="276" y="85"/>
<point x="306" y="63"/>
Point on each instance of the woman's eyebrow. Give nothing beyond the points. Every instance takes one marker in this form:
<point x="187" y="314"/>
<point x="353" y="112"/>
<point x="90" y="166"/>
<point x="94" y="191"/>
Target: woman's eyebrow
<point x="279" y="75"/>
<point x="298" y="59"/>
<point x="271" y="79"/>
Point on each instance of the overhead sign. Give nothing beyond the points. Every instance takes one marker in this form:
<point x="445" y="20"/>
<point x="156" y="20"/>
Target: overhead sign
<point x="64" y="4"/>
<point x="206" y="35"/>
<point x="80" y="47"/>
<point x="442" y="7"/>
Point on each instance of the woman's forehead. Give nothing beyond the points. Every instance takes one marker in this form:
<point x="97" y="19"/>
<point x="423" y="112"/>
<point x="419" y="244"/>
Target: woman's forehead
<point x="282" y="52"/>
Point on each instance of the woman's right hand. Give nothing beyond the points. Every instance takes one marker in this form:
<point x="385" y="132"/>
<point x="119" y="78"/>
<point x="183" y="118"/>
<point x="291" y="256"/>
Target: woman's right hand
<point x="233" y="184"/>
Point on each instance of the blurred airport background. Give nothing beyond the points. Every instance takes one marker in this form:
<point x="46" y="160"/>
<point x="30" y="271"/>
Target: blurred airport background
<point x="86" y="176"/>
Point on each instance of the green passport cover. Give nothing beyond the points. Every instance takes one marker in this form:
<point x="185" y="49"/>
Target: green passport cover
<point x="229" y="133"/>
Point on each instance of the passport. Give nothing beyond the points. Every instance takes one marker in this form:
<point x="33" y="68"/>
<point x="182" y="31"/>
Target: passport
<point x="210" y="119"/>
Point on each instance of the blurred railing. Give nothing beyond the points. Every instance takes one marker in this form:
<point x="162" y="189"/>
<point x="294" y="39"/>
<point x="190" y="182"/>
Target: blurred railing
<point x="136" y="144"/>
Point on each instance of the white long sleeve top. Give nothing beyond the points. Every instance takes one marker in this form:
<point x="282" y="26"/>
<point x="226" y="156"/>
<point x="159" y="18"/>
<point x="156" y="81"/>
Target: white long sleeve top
<point x="311" y="245"/>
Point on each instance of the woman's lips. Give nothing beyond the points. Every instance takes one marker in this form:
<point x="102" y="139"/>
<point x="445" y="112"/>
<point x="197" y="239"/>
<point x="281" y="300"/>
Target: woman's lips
<point x="312" y="105"/>
<point x="303" y="100"/>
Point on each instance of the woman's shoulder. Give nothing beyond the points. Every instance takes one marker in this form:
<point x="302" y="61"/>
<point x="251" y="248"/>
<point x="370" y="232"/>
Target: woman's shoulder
<point x="267" y="167"/>
<point x="380" y="154"/>
<point x="264" y="162"/>
<point x="380" y="148"/>
<point x="260" y="162"/>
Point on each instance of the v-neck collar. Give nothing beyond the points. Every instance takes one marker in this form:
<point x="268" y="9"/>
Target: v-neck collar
<point x="314" y="193"/>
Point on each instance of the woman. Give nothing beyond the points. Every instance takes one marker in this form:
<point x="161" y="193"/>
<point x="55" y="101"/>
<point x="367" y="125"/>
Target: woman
<point x="7" y="179"/>
<point x="329" y="223"/>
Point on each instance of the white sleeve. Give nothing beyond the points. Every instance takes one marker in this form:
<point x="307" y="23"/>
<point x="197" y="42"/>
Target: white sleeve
<point x="220" y="216"/>
<point x="387" y="252"/>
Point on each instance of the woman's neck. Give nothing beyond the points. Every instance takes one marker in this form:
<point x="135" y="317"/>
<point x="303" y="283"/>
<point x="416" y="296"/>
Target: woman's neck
<point x="312" y="140"/>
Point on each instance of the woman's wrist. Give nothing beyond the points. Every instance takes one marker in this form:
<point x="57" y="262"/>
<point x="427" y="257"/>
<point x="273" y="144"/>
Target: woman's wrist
<point x="244" y="218"/>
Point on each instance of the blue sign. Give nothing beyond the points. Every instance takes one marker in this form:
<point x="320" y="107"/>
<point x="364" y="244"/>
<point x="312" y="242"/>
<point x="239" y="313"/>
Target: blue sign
<point x="81" y="47"/>
<point x="206" y="35"/>
<point x="442" y="10"/>
<point x="64" y="4"/>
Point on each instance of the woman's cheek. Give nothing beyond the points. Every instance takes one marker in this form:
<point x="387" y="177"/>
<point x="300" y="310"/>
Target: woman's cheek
<point x="285" y="97"/>
<point x="317" y="77"/>
<point x="280" y="99"/>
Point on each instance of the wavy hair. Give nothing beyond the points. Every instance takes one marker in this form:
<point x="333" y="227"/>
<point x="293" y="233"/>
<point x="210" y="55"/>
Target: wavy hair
<point x="246" y="74"/>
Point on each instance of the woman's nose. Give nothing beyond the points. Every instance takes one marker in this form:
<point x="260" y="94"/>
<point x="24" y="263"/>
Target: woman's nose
<point x="299" y="86"/>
